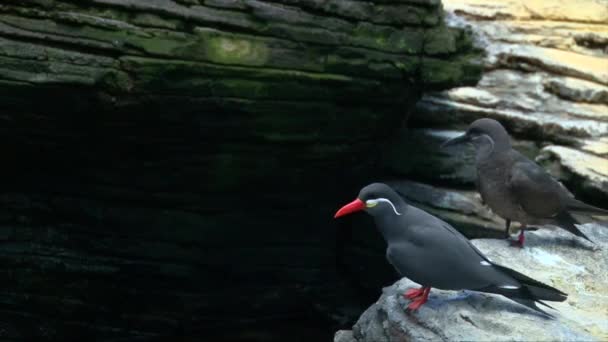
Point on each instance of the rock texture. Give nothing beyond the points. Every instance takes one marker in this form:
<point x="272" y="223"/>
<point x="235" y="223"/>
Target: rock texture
<point x="463" y="208"/>
<point x="169" y="168"/>
<point x="555" y="258"/>
<point x="545" y="79"/>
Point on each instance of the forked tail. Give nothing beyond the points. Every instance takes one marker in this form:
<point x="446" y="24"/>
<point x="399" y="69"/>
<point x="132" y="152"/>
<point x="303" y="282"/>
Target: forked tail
<point x="567" y="221"/>
<point x="531" y="292"/>
<point x="575" y="205"/>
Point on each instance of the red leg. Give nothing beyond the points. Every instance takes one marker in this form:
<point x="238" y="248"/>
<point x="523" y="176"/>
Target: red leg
<point x="417" y="303"/>
<point x="413" y="293"/>
<point x="520" y="239"/>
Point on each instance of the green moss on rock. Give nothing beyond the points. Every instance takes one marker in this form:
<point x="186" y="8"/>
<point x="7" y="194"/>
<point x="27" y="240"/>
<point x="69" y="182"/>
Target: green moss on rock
<point x="232" y="49"/>
<point x="116" y="81"/>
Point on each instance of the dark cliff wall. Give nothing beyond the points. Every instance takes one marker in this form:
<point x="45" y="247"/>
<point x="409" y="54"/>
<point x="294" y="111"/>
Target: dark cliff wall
<point x="170" y="168"/>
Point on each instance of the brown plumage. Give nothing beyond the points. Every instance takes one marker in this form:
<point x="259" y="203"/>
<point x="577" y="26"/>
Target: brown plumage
<point x="516" y="188"/>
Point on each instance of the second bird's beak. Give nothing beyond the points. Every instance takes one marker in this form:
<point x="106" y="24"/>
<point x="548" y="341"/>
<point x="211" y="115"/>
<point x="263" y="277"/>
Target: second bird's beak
<point x="457" y="140"/>
<point x="351" y="207"/>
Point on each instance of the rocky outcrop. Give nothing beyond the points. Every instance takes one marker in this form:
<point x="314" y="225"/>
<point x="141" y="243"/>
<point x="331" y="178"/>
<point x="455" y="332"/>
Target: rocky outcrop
<point x="545" y="78"/>
<point x="554" y="257"/>
<point x="463" y="208"/>
<point x="169" y="168"/>
<point x="587" y="172"/>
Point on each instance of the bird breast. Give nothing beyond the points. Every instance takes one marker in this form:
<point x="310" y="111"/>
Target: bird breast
<point x="493" y="188"/>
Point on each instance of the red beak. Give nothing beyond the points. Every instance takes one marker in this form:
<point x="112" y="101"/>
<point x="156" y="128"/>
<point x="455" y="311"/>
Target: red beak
<point x="351" y="207"/>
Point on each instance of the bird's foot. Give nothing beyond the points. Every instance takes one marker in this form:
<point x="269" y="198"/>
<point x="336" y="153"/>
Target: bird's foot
<point x="413" y="293"/>
<point x="520" y="240"/>
<point x="516" y="243"/>
<point x="417" y="303"/>
<point x="420" y="299"/>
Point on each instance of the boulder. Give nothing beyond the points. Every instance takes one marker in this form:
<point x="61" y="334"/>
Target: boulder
<point x="555" y="257"/>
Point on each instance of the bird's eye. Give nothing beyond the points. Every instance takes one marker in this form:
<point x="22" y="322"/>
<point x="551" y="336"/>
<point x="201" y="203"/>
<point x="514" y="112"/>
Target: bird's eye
<point x="370" y="203"/>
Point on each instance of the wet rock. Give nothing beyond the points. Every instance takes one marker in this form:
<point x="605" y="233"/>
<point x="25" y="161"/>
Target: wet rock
<point x="553" y="257"/>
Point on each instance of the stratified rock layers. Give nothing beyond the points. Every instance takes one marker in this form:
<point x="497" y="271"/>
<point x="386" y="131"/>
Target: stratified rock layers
<point x="545" y="80"/>
<point x="169" y="168"/>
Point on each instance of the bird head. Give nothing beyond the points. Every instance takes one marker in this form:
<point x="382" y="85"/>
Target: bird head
<point x="376" y="198"/>
<point x="484" y="134"/>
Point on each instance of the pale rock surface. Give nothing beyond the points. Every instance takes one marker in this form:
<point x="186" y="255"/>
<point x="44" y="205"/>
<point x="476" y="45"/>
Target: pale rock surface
<point x="577" y="90"/>
<point x="589" y="169"/>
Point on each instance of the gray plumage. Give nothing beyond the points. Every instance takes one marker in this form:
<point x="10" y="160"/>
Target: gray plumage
<point x="432" y="253"/>
<point x="515" y="187"/>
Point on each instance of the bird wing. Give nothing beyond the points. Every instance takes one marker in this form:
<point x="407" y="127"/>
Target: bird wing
<point x="535" y="190"/>
<point x="435" y="254"/>
<point x="463" y="238"/>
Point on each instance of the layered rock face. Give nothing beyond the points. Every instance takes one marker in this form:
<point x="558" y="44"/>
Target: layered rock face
<point x="545" y="79"/>
<point x="575" y="267"/>
<point x="170" y="168"/>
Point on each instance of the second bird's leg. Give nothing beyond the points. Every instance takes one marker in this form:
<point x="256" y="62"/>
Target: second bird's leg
<point x="507" y="226"/>
<point x="418" y="301"/>
<point x="521" y="238"/>
<point x="413" y="293"/>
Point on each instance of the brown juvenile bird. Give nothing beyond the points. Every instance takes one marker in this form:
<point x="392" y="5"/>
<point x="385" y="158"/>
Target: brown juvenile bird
<point x="516" y="188"/>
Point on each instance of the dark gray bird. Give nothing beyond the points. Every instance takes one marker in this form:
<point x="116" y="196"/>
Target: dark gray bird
<point x="432" y="253"/>
<point x="516" y="188"/>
